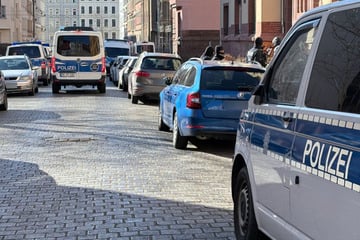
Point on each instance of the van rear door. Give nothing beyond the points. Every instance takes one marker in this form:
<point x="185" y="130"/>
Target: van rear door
<point x="78" y="56"/>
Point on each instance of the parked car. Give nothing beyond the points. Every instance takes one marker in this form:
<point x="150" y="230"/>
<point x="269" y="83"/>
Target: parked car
<point x="117" y="65"/>
<point x="3" y="93"/>
<point x="205" y="98"/>
<point x="146" y="80"/>
<point x="296" y="165"/>
<point x="124" y="73"/>
<point x="38" y="56"/>
<point x="19" y="73"/>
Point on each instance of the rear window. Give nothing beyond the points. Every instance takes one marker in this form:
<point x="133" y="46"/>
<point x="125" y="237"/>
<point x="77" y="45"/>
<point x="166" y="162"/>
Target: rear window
<point x="161" y="63"/>
<point x="30" y="51"/>
<point x="230" y="79"/>
<point x="116" y="51"/>
<point x="78" y="46"/>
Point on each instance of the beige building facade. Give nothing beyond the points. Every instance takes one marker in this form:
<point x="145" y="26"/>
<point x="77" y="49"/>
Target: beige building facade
<point x="16" y="21"/>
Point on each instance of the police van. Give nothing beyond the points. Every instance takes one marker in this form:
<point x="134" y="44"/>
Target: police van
<point x="38" y="55"/>
<point x="296" y="165"/>
<point x="78" y="59"/>
<point x="114" y="48"/>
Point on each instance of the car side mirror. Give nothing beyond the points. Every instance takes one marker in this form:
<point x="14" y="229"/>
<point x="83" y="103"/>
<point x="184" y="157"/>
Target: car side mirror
<point x="168" y="80"/>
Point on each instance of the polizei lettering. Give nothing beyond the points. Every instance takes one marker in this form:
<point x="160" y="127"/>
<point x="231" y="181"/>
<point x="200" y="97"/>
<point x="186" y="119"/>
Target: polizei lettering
<point x="66" y="68"/>
<point x="327" y="158"/>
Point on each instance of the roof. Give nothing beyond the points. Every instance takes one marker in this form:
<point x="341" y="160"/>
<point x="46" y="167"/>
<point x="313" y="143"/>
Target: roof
<point x="158" y="54"/>
<point x="227" y="63"/>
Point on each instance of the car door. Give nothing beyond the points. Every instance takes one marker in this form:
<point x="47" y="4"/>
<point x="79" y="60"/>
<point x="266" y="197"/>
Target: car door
<point x="171" y="93"/>
<point x="325" y="173"/>
<point x="274" y="121"/>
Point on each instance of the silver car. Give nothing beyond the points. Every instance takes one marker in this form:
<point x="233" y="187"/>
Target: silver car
<point x="147" y="78"/>
<point x="3" y="94"/>
<point x="20" y="75"/>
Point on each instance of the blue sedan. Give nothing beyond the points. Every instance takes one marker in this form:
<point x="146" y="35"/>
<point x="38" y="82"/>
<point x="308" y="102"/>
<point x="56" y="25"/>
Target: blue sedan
<point x="204" y="99"/>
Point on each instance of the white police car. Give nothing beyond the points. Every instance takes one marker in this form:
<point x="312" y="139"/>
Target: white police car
<point x="37" y="54"/>
<point x="296" y="167"/>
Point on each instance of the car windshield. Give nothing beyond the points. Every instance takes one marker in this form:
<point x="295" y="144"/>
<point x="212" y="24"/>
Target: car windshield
<point x="13" y="64"/>
<point x="161" y="63"/>
<point x="30" y="51"/>
<point x="230" y="79"/>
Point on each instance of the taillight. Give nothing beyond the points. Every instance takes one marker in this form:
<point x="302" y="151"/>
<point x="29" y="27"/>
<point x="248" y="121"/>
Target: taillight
<point x="193" y="101"/>
<point x="142" y="74"/>
<point x="53" y="67"/>
<point x="103" y="66"/>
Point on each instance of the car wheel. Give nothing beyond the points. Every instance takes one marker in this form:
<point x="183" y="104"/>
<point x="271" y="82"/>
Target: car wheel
<point x="161" y="125"/>
<point x="4" y="105"/>
<point x="179" y="142"/>
<point x="134" y="99"/>
<point x="244" y="216"/>
<point x="55" y="88"/>
<point x="125" y="87"/>
<point x="120" y="85"/>
<point x="101" y="87"/>
<point x="36" y="89"/>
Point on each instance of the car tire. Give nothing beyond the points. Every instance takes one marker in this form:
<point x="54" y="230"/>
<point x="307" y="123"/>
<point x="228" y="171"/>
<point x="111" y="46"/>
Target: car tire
<point x="101" y="87"/>
<point x="179" y="142"/>
<point x="134" y="99"/>
<point x="244" y="217"/>
<point x="55" y="88"/>
<point x="161" y="125"/>
<point x="125" y="87"/>
<point x="4" y="106"/>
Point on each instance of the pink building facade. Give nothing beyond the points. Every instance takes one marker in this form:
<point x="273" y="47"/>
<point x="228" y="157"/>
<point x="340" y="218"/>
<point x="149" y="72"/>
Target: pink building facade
<point x="195" y="25"/>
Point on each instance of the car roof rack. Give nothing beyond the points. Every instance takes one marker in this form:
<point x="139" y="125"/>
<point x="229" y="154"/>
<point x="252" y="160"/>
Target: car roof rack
<point x="197" y="59"/>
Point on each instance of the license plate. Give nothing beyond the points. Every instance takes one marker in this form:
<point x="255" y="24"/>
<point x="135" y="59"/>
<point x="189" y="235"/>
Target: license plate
<point x="67" y="74"/>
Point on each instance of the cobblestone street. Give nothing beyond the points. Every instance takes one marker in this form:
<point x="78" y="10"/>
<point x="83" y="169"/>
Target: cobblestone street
<point x="84" y="165"/>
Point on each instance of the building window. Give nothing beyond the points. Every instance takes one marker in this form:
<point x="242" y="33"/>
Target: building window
<point x="98" y="9"/>
<point x="98" y="22"/>
<point x="106" y="22"/>
<point x="106" y="35"/>
<point x="3" y="12"/>
<point x="90" y="22"/>
<point x="226" y="19"/>
<point x="113" y="10"/>
<point x="252" y="16"/>
<point x="90" y="10"/>
<point x="83" y="22"/>
<point x="113" y="34"/>
<point x="113" y="23"/>
<point x="106" y="10"/>
<point x="82" y="10"/>
<point x="74" y="12"/>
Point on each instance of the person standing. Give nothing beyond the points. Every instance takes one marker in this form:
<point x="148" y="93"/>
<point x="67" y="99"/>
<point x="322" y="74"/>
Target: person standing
<point x="208" y="53"/>
<point x="219" y="53"/>
<point x="256" y="53"/>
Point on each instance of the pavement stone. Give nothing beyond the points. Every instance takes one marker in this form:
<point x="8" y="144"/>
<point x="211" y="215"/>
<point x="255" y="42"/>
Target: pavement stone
<point x="84" y="165"/>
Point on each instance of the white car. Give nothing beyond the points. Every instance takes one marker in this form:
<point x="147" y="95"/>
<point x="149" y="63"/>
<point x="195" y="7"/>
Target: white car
<point x="116" y="67"/>
<point x="20" y="75"/>
<point x="3" y="94"/>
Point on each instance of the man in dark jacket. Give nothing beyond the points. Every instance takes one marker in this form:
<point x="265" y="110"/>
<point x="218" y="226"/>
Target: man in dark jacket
<point x="257" y="53"/>
<point x="219" y="53"/>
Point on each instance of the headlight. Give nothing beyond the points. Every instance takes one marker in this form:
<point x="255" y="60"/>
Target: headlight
<point x="25" y="78"/>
